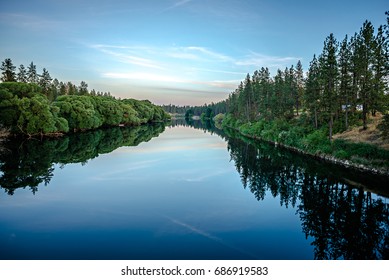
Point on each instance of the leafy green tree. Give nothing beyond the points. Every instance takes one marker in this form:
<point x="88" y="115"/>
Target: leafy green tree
<point x="8" y="71"/>
<point x="130" y="115"/>
<point x="37" y="117"/>
<point x="78" y="111"/>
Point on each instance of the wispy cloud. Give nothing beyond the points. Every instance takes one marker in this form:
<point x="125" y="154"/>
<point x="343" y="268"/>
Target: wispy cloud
<point x="127" y="57"/>
<point x="177" y="5"/>
<point x="143" y="76"/>
<point x="183" y="65"/>
<point x="197" y="53"/>
<point x="30" y="22"/>
<point x="257" y="59"/>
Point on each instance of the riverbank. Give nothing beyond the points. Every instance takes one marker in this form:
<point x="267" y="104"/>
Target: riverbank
<point x="359" y="156"/>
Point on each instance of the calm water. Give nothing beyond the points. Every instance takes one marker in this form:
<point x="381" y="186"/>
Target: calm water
<point x="183" y="193"/>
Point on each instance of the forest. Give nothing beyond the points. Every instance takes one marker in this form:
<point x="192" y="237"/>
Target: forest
<point x="33" y="104"/>
<point x="346" y="86"/>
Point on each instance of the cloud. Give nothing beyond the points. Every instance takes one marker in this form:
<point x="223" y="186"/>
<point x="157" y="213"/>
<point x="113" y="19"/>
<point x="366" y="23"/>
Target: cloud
<point x="127" y="57"/>
<point x="143" y="76"/>
<point x="177" y="5"/>
<point x="30" y="22"/>
<point x="257" y="59"/>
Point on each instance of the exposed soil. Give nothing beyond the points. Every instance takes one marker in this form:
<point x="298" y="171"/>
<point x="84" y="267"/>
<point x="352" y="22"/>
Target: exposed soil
<point x="372" y="135"/>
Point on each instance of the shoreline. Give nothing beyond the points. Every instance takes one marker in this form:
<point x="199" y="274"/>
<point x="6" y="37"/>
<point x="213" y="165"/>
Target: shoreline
<point x="324" y="157"/>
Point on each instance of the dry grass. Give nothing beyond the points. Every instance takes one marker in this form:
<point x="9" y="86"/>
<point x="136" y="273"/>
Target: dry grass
<point x="372" y="135"/>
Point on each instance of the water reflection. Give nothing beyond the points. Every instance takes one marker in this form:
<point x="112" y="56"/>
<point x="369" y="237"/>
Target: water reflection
<point x="344" y="214"/>
<point x="28" y="163"/>
<point x="345" y="221"/>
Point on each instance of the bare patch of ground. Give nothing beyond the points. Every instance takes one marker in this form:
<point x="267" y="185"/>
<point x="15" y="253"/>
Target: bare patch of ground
<point x="372" y="135"/>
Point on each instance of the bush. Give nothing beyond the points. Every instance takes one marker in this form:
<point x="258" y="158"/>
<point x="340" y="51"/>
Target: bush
<point x="341" y="154"/>
<point x="317" y="141"/>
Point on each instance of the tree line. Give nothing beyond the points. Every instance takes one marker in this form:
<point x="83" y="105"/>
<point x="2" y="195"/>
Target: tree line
<point x="187" y="110"/>
<point x="52" y="88"/>
<point x="35" y="105"/>
<point x="344" y="85"/>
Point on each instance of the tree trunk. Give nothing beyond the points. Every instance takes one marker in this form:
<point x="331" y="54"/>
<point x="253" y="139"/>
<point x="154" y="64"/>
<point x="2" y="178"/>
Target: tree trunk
<point x="364" y="115"/>
<point x="330" y="126"/>
<point x="346" y="117"/>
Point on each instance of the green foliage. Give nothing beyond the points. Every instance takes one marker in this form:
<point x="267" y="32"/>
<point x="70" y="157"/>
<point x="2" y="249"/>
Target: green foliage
<point x="20" y="89"/>
<point x="25" y="109"/>
<point x="37" y="117"/>
<point x="78" y="111"/>
<point x="8" y="71"/>
<point x="384" y="126"/>
<point x="130" y="116"/>
<point x="317" y="142"/>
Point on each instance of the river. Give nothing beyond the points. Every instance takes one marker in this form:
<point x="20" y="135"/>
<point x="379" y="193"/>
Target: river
<point x="183" y="192"/>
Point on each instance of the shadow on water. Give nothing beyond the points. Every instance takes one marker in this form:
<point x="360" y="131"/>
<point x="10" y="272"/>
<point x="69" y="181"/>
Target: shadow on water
<point x="345" y="212"/>
<point x="30" y="162"/>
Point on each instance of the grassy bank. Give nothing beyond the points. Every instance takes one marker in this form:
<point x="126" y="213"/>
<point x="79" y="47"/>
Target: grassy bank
<point x="298" y="137"/>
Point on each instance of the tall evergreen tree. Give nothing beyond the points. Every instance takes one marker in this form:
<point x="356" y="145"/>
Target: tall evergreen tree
<point x="83" y="88"/>
<point x="22" y="74"/>
<point x="312" y="94"/>
<point x="32" y="76"/>
<point x="329" y="77"/>
<point x="300" y="85"/>
<point x="8" y="71"/>
<point x="380" y="69"/>
<point x="364" y="53"/>
<point x="345" y="87"/>
<point x="45" y="79"/>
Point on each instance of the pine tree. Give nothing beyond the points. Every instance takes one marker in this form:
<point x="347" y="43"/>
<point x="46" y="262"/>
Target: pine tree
<point x="83" y="88"/>
<point x="248" y="97"/>
<point x="313" y="90"/>
<point x="45" y="80"/>
<point x="380" y="70"/>
<point x="300" y="85"/>
<point x="32" y="76"/>
<point x="364" y="52"/>
<point x="328" y="76"/>
<point x="345" y="87"/>
<point x="8" y="71"/>
<point x="22" y="74"/>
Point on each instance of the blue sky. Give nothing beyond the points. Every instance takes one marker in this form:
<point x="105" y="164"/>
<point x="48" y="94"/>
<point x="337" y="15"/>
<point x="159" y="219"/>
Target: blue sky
<point x="173" y="51"/>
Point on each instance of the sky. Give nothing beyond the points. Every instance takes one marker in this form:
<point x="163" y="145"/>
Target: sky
<point x="182" y="52"/>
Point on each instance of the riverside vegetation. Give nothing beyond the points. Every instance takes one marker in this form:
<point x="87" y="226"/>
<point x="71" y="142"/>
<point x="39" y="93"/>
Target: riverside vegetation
<point x="346" y="86"/>
<point x="33" y="104"/>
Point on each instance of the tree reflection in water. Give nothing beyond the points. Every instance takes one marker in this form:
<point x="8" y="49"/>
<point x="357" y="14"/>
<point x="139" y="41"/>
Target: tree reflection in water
<point x="346" y="213"/>
<point x="26" y="163"/>
<point x="345" y="221"/>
